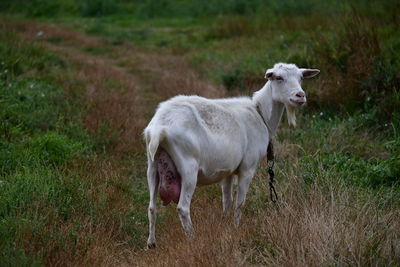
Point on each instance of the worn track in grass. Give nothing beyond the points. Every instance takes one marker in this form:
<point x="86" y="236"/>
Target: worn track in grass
<point x="123" y="83"/>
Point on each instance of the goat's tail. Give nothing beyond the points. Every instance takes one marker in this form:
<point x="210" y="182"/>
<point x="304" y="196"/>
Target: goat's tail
<point x="155" y="139"/>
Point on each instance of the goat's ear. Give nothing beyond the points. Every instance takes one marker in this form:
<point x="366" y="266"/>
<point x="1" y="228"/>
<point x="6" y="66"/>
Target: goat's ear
<point x="269" y="74"/>
<point x="309" y="73"/>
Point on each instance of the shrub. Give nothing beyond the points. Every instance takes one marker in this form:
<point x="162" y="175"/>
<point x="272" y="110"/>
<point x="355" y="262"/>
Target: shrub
<point x="348" y="55"/>
<point x="382" y="89"/>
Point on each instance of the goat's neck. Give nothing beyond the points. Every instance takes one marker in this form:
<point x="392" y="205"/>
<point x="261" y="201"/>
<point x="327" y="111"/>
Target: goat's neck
<point x="271" y="110"/>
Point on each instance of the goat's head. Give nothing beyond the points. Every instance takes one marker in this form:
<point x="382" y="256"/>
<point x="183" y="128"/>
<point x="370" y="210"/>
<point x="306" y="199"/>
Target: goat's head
<point x="285" y="80"/>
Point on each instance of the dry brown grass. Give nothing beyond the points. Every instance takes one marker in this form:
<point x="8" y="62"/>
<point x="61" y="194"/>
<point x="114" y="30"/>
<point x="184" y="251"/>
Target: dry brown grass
<point x="165" y="76"/>
<point x="310" y="226"/>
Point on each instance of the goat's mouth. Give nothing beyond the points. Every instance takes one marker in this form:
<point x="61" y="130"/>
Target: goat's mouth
<point x="298" y="102"/>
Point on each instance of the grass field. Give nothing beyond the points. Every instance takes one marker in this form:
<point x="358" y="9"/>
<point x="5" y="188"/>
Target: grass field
<point x="79" y="81"/>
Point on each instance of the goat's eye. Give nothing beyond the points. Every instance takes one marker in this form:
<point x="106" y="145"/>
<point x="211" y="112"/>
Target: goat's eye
<point x="279" y="78"/>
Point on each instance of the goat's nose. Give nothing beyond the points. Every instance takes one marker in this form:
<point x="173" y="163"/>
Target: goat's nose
<point x="301" y="94"/>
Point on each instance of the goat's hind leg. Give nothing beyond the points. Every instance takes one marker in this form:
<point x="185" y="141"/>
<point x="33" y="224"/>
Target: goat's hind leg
<point x="153" y="182"/>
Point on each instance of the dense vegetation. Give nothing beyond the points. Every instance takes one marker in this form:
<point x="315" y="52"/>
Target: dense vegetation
<point x="73" y="104"/>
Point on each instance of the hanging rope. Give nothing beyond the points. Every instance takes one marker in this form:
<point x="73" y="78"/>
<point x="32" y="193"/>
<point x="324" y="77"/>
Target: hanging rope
<point x="271" y="158"/>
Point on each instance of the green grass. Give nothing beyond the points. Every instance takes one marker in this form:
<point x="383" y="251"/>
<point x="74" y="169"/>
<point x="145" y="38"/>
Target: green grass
<point x="35" y="147"/>
<point x="357" y="155"/>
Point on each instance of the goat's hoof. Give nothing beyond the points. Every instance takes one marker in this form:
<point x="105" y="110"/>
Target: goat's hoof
<point x="190" y="235"/>
<point x="151" y="245"/>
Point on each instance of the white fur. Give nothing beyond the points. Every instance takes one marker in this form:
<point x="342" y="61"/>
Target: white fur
<point x="212" y="140"/>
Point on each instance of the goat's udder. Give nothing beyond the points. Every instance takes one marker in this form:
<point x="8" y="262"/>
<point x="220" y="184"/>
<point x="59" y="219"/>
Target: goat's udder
<point x="170" y="179"/>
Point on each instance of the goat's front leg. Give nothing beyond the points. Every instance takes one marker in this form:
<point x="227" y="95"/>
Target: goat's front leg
<point x="226" y="186"/>
<point x="245" y="178"/>
<point x="189" y="181"/>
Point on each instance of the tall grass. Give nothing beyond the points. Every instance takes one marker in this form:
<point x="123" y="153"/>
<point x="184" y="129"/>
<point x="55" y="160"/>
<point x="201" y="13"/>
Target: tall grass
<point x="324" y="223"/>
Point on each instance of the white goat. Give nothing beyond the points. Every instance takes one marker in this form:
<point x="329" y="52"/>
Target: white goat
<point x="193" y="140"/>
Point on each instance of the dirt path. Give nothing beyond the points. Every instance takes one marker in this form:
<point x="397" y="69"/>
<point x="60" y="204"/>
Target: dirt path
<point x="121" y="85"/>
